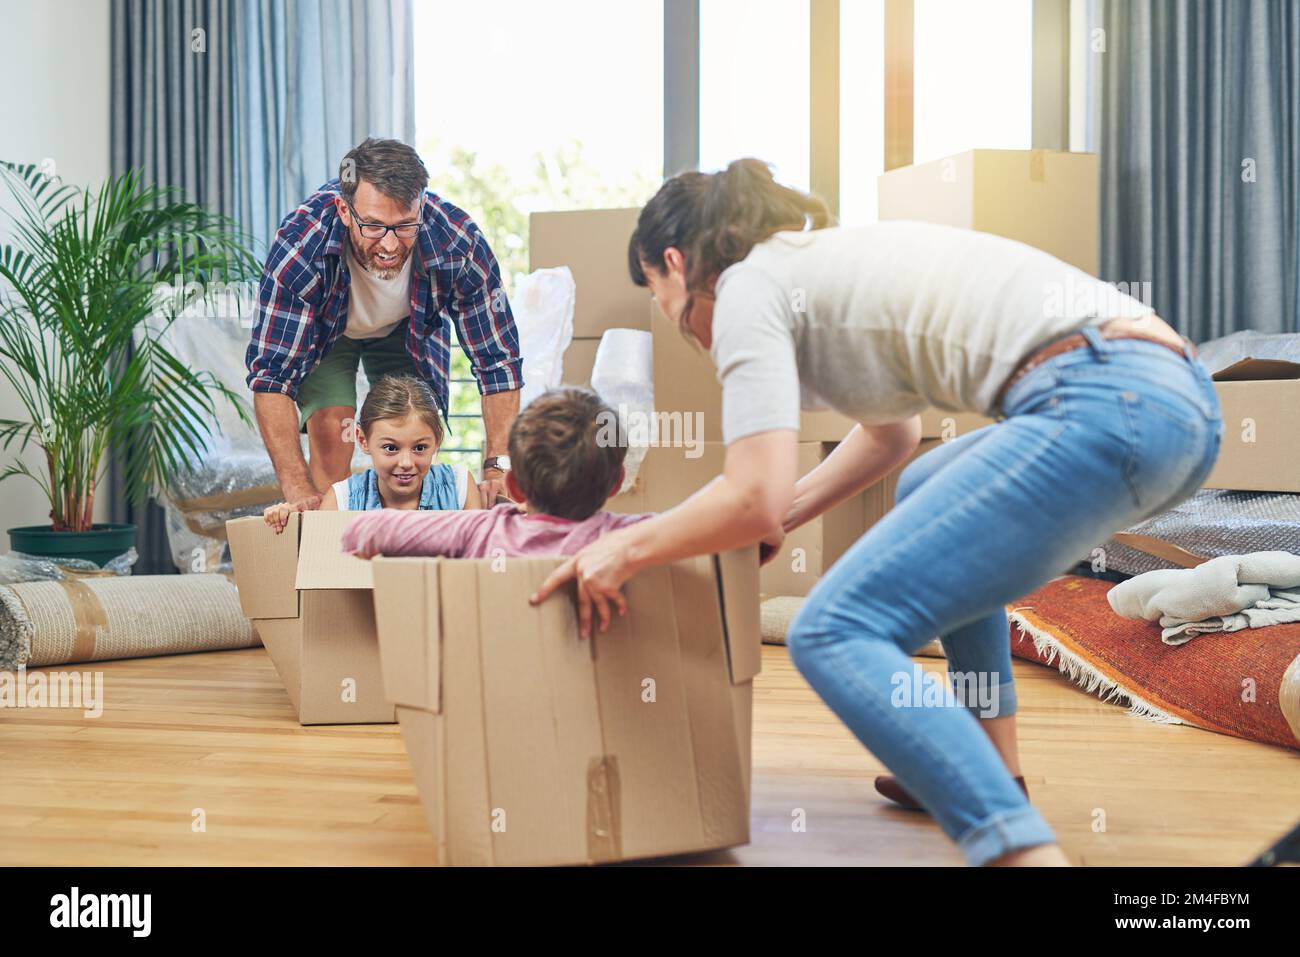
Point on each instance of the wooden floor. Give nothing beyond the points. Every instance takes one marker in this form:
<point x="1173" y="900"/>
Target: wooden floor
<point x="215" y="732"/>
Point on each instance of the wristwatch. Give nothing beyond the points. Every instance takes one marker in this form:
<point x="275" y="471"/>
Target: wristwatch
<point x="499" y="462"/>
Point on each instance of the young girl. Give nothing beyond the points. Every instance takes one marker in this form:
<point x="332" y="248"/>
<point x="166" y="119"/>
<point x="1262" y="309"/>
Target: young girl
<point x="400" y="429"/>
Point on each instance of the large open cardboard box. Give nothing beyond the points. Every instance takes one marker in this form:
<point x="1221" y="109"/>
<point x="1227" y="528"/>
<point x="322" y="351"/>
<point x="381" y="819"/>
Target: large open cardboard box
<point x="313" y="608"/>
<point x="1260" y="399"/>
<point x="533" y="746"/>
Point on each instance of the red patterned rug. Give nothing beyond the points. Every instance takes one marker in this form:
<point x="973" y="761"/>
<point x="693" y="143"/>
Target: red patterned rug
<point x="1227" y="683"/>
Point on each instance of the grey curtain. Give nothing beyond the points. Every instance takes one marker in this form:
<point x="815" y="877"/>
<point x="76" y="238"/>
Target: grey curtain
<point x="1200" y="144"/>
<point x="312" y="79"/>
<point x="246" y="106"/>
<point x="171" y="104"/>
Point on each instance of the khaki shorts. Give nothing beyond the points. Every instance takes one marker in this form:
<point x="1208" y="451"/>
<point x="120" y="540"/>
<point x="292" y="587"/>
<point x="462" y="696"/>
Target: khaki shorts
<point x="334" y="381"/>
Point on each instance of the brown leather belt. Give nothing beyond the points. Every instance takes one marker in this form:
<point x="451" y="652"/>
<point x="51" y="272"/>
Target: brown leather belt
<point x="1114" y="329"/>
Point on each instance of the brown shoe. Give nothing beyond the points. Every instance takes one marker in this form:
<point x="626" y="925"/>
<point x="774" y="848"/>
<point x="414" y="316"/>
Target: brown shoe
<point x="888" y="785"/>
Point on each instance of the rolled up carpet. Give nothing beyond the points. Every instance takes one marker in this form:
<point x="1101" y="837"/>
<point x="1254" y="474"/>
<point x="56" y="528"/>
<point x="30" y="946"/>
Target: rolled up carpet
<point x="775" y="615"/>
<point x="95" y="619"/>
<point x="777" y="612"/>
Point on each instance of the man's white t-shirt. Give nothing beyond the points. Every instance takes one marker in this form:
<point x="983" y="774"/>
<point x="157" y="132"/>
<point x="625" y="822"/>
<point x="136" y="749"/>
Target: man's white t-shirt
<point x="376" y="306"/>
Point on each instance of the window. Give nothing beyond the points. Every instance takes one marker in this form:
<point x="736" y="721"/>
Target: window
<point x="1087" y="47"/>
<point x="973" y="76"/>
<point x="862" y="108"/>
<point x="523" y="106"/>
<point x="560" y="106"/>
<point x="754" y="85"/>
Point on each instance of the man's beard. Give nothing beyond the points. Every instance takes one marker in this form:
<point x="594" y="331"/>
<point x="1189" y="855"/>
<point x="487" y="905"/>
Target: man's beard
<point x="367" y="262"/>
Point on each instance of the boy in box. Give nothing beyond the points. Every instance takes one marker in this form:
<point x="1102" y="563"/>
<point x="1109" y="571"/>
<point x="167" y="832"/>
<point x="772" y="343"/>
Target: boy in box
<point x="564" y="470"/>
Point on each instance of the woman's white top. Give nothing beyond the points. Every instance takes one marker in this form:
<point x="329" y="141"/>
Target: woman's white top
<point x="878" y="322"/>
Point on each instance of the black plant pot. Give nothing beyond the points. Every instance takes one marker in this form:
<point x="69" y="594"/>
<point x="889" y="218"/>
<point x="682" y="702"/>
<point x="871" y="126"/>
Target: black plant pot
<point x="99" y="545"/>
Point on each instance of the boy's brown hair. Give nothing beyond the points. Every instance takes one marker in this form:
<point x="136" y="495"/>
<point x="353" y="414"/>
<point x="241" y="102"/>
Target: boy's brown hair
<point x="566" y="450"/>
<point x="396" y="397"/>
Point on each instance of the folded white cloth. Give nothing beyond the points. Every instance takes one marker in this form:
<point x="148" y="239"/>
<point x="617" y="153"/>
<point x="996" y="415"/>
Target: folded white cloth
<point x="1224" y="594"/>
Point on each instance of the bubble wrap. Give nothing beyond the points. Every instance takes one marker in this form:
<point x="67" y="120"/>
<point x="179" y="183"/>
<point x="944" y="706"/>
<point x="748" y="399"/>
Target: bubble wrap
<point x="235" y="477"/>
<point x="1215" y="522"/>
<point x="622" y="375"/>
<point x="1218" y="354"/>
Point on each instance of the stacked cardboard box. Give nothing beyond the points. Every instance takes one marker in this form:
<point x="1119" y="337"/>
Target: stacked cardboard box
<point x="593" y="244"/>
<point x="312" y="606"/>
<point x="531" y="745"/>
<point x="1261" y="431"/>
<point x="1044" y="198"/>
<point x="579" y="360"/>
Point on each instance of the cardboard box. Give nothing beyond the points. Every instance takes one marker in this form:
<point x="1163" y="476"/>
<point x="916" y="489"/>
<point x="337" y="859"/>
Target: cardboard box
<point x="1261" y="429"/>
<point x="686" y="383"/>
<point x="533" y="746"/>
<point x="593" y="244"/>
<point x="1044" y="198"/>
<point x="578" y="361"/>
<point x="312" y="606"/>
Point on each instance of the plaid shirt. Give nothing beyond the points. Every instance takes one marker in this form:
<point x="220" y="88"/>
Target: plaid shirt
<point x="303" y="300"/>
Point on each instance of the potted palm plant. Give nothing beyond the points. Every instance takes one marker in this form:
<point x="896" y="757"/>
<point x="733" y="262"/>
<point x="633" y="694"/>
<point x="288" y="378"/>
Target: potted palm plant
<point x="82" y="344"/>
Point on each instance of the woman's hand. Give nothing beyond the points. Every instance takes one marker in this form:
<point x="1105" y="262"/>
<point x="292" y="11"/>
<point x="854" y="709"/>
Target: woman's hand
<point x="600" y="570"/>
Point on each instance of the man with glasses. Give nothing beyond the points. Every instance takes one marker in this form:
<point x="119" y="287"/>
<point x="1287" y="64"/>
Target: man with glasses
<point x="372" y="269"/>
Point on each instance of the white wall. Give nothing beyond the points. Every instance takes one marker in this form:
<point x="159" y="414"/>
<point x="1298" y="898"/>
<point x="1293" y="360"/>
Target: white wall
<point x="54" y="89"/>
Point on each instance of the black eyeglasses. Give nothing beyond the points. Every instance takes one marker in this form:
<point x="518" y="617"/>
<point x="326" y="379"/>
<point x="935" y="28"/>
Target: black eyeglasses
<point x="380" y="230"/>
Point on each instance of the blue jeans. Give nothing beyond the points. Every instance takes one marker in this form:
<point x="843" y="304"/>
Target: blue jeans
<point x="1093" y="440"/>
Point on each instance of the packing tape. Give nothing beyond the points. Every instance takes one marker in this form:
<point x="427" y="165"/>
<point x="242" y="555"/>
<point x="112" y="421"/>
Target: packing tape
<point x="604" y="827"/>
<point x="88" y="616"/>
<point x="78" y="573"/>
